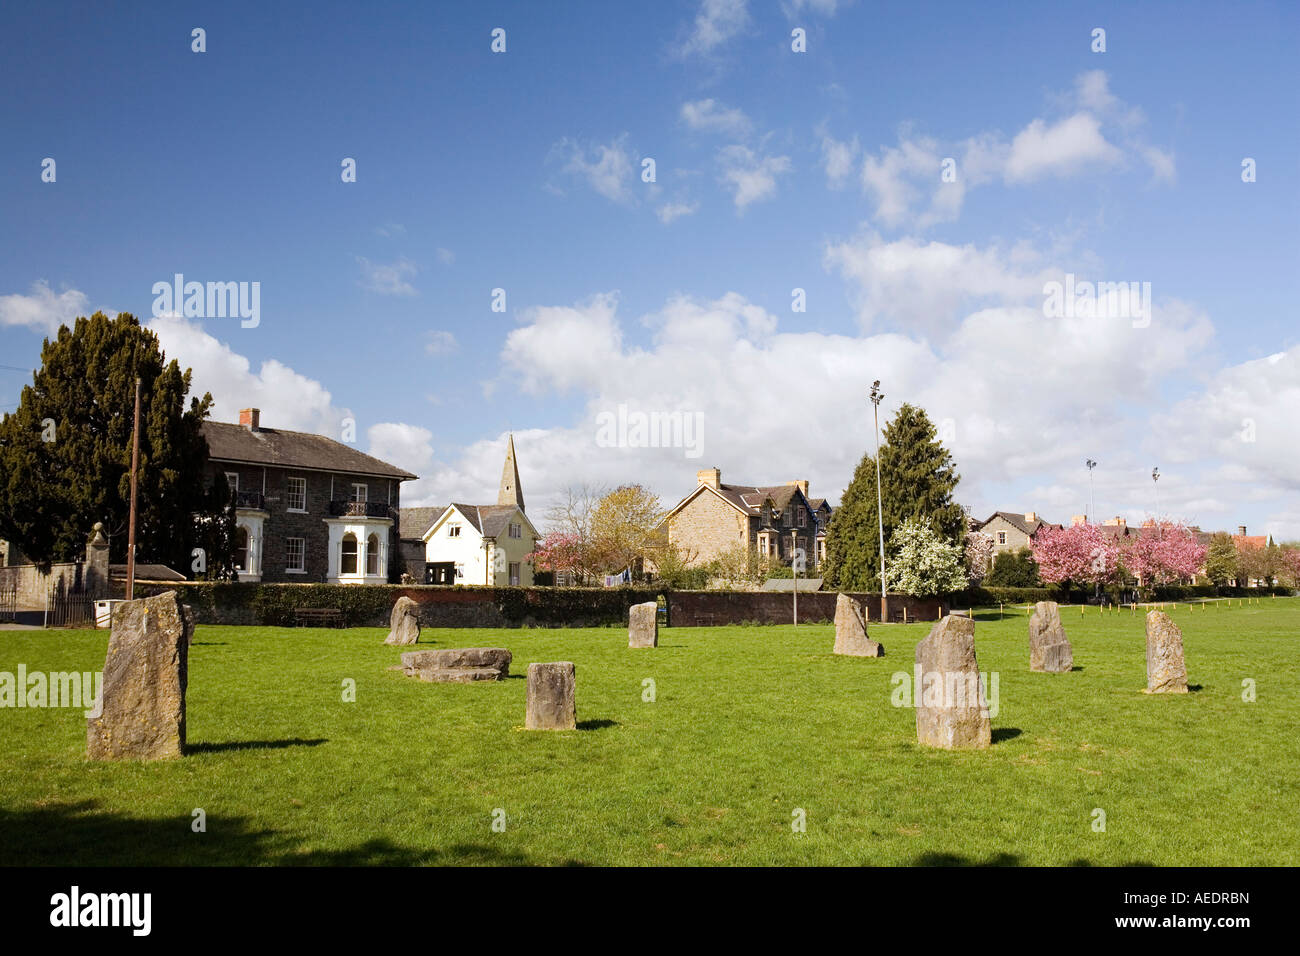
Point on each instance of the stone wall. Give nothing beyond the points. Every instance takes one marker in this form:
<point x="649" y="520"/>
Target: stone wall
<point x="708" y="526"/>
<point x="703" y="608"/>
<point x="33" y="582"/>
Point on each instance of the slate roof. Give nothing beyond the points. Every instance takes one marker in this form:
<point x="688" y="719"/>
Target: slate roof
<point x="285" y="449"/>
<point x="787" y="584"/>
<point x="489" y="520"/>
<point x="146" y="572"/>
<point x="412" y="523"/>
<point x="1018" y="521"/>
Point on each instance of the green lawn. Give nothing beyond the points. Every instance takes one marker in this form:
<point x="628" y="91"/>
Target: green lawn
<point x="749" y="724"/>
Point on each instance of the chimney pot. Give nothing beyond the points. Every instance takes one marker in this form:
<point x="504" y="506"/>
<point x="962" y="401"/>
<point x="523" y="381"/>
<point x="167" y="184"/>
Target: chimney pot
<point x="1031" y="516"/>
<point x="1241" y="530"/>
<point x="250" y="418"/>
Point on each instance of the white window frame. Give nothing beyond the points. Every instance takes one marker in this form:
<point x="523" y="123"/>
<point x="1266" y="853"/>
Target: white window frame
<point x="453" y="530"/>
<point x="516" y="531"/>
<point x="288" y="556"/>
<point x="288" y="496"/>
<point x="1002" y="537"/>
<point x="232" y="479"/>
<point x="514" y="574"/>
<point x="803" y="516"/>
<point x="364" y="492"/>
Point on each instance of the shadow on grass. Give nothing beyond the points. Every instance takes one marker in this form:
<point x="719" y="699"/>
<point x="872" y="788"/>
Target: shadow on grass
<point x="1005" y="733"/>
<point x="208" y="644"/>
<point x="82" y="834"/>
<point x="208" y="748"/>
<point x="1076" y="667"/>
<point x="997" y="859"/>
<point x="596" y="724"/>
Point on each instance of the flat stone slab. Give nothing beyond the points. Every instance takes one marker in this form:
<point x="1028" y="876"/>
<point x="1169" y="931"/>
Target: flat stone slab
<point x="1166" y="668"/>
<point x="851" y="630"/>
<point x="459" y="675"/>
<point x="1049" y="649"/>
<point x="457" y="658"/>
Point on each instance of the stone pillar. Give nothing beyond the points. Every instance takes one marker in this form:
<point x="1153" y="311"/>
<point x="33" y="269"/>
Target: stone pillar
<point x="404" y="622"/>
<point x="550" y="697"/>
<point x="142" y="707"/>
<point x="951" y="711"/>
<point x="97" y="582"/>
<point x="851" y="630"/>
<point x="1049" y="650"/>
<point x="1166" y="669"/>
<point x="643" y="625"/>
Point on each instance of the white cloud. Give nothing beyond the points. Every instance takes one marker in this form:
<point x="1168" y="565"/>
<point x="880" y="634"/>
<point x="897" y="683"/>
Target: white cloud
<point x="287" y="398"/>
<point x="711" y="116"/>
<point x="440" y="343"/>
<point x="608" y="171"/>
<point x="671" y="211"/>
<point x="445" y="256"/>
<point x="716" y="22"/>
<point x="43" y="310"/>
<point x="826" y="8"/>
<point x="1162" y="164"/>
<point x="750" y="175"/>
<point x="388" y="278"/>
<point x="1059" y="149"/>
<point x="838" y="159"/>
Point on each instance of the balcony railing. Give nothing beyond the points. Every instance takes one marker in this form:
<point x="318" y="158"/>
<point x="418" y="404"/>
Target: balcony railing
<point x="360" y="509"/>
<point x="249" y="499"/>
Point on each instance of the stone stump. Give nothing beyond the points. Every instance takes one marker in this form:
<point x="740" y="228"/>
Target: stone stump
<point x="1049" y="649"/>
<point x="1166" y="669"/>
<point x="404" y="623"/>
<point x="142" y="707"/>
<point x="550" y="697"/>
<point x="950" y="709"/>
<point x="643" y="625"/>
<point x="458" y="665"/>
<point x="851" y="630"/>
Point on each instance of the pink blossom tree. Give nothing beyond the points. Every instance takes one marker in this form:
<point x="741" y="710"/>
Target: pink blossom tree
<point x="1165" y="553"/>
<point x="979" y="556"/>
<point x="561" y="551"/>
<point x="1080" y="554"/>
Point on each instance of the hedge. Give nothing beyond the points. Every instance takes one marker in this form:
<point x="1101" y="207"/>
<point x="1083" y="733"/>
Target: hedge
<point x="990" y="596"/>
<point x="273" y="605"/>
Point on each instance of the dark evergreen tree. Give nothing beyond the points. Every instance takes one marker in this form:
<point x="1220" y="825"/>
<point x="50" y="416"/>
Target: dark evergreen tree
<point x="917" y="480"/>
<point x="65" y="454"/>
<point x="1014" y="569"/>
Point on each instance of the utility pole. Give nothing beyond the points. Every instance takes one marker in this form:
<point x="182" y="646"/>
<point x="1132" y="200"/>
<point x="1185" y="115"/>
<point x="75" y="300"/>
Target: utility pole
<point x="1092" y="504"/>
<point x="876" y="396"/>
<point x="1155" y="483"/>
<point x="135" y="471"/>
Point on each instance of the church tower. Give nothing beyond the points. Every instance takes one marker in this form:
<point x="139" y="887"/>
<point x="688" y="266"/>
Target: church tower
<point x="510" y="493"/>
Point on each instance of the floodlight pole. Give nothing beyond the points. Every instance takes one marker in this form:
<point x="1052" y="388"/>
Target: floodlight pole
<point x="1092" y="503"/>
<point x="876" y="396"/>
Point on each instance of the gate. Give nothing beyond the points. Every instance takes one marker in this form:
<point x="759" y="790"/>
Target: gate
<point x="70" y="607"/>
<point x="8" y="602"/>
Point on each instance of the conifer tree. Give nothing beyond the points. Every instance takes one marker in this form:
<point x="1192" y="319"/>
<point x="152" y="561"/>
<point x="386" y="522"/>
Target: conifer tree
<point x="65" y="454"/>
<point x="917" y="480"/>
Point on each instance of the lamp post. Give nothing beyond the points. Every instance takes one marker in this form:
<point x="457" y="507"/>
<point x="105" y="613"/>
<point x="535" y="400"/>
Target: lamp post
<point x="1155" y="483"/>
<point x="876" y="396"/>
<point x="1092" y="504"/>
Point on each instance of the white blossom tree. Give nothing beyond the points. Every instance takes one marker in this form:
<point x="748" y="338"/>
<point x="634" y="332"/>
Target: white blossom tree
<point x="923" y="564"/>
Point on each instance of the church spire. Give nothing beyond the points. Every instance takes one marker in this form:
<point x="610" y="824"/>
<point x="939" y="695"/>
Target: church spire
<point x="510" y="493"/>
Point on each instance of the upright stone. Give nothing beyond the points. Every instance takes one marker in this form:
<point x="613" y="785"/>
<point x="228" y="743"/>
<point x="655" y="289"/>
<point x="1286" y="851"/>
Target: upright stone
<point x="851" y="630"/>
<point x="643" y="625"/>
<point x="404" y="623"/>
<point x="1049" y="649"/>
<point x="950" y="710"/>
<point x="143" y="699"/>
<point x="1166" y="669"/>
<point x="550" y="697"/>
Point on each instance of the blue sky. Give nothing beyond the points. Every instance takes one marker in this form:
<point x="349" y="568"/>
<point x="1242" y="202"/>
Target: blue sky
<point x="775" y="170"/>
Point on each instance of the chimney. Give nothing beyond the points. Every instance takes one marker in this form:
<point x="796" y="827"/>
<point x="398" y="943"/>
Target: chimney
<point x="1031" y="517"/>
<point x="1241" y="530"/>
<point x="1076" y="520"/>
<point x="801" y="484"/>
<point x="250" y="418"/>
<point x="709" y="476"/>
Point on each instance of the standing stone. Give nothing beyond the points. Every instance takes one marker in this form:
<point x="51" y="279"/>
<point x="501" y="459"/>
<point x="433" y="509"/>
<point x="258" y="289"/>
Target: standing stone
<point x="950" y="710"/>
<point x="143" y="699"/>
<point x="1166" y="669"/>
<point x="550" y="697"/>
<point x="851" y="630"/>
<point x="404" y="623"/>
<point x="643" y="625"/>
<point x="1049" y="649"/>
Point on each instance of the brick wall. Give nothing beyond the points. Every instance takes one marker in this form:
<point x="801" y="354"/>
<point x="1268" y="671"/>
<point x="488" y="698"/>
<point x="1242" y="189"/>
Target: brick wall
<point x="703" y="608"/>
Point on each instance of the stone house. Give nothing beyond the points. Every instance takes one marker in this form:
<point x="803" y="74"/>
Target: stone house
<point x="771" y="520"/>
<point x="473" y="544"/>
<point x="307" y="508"/>
<point x="1012" y="530"/>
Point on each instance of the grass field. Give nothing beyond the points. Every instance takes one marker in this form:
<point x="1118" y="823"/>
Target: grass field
<point x="748" y="724"/>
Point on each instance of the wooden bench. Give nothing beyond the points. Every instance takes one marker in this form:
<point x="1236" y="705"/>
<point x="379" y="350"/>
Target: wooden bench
<point x="318" y="617"/>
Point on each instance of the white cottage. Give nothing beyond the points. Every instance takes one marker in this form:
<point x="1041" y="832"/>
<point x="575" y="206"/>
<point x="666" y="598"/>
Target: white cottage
<point x="472" y="544"/>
